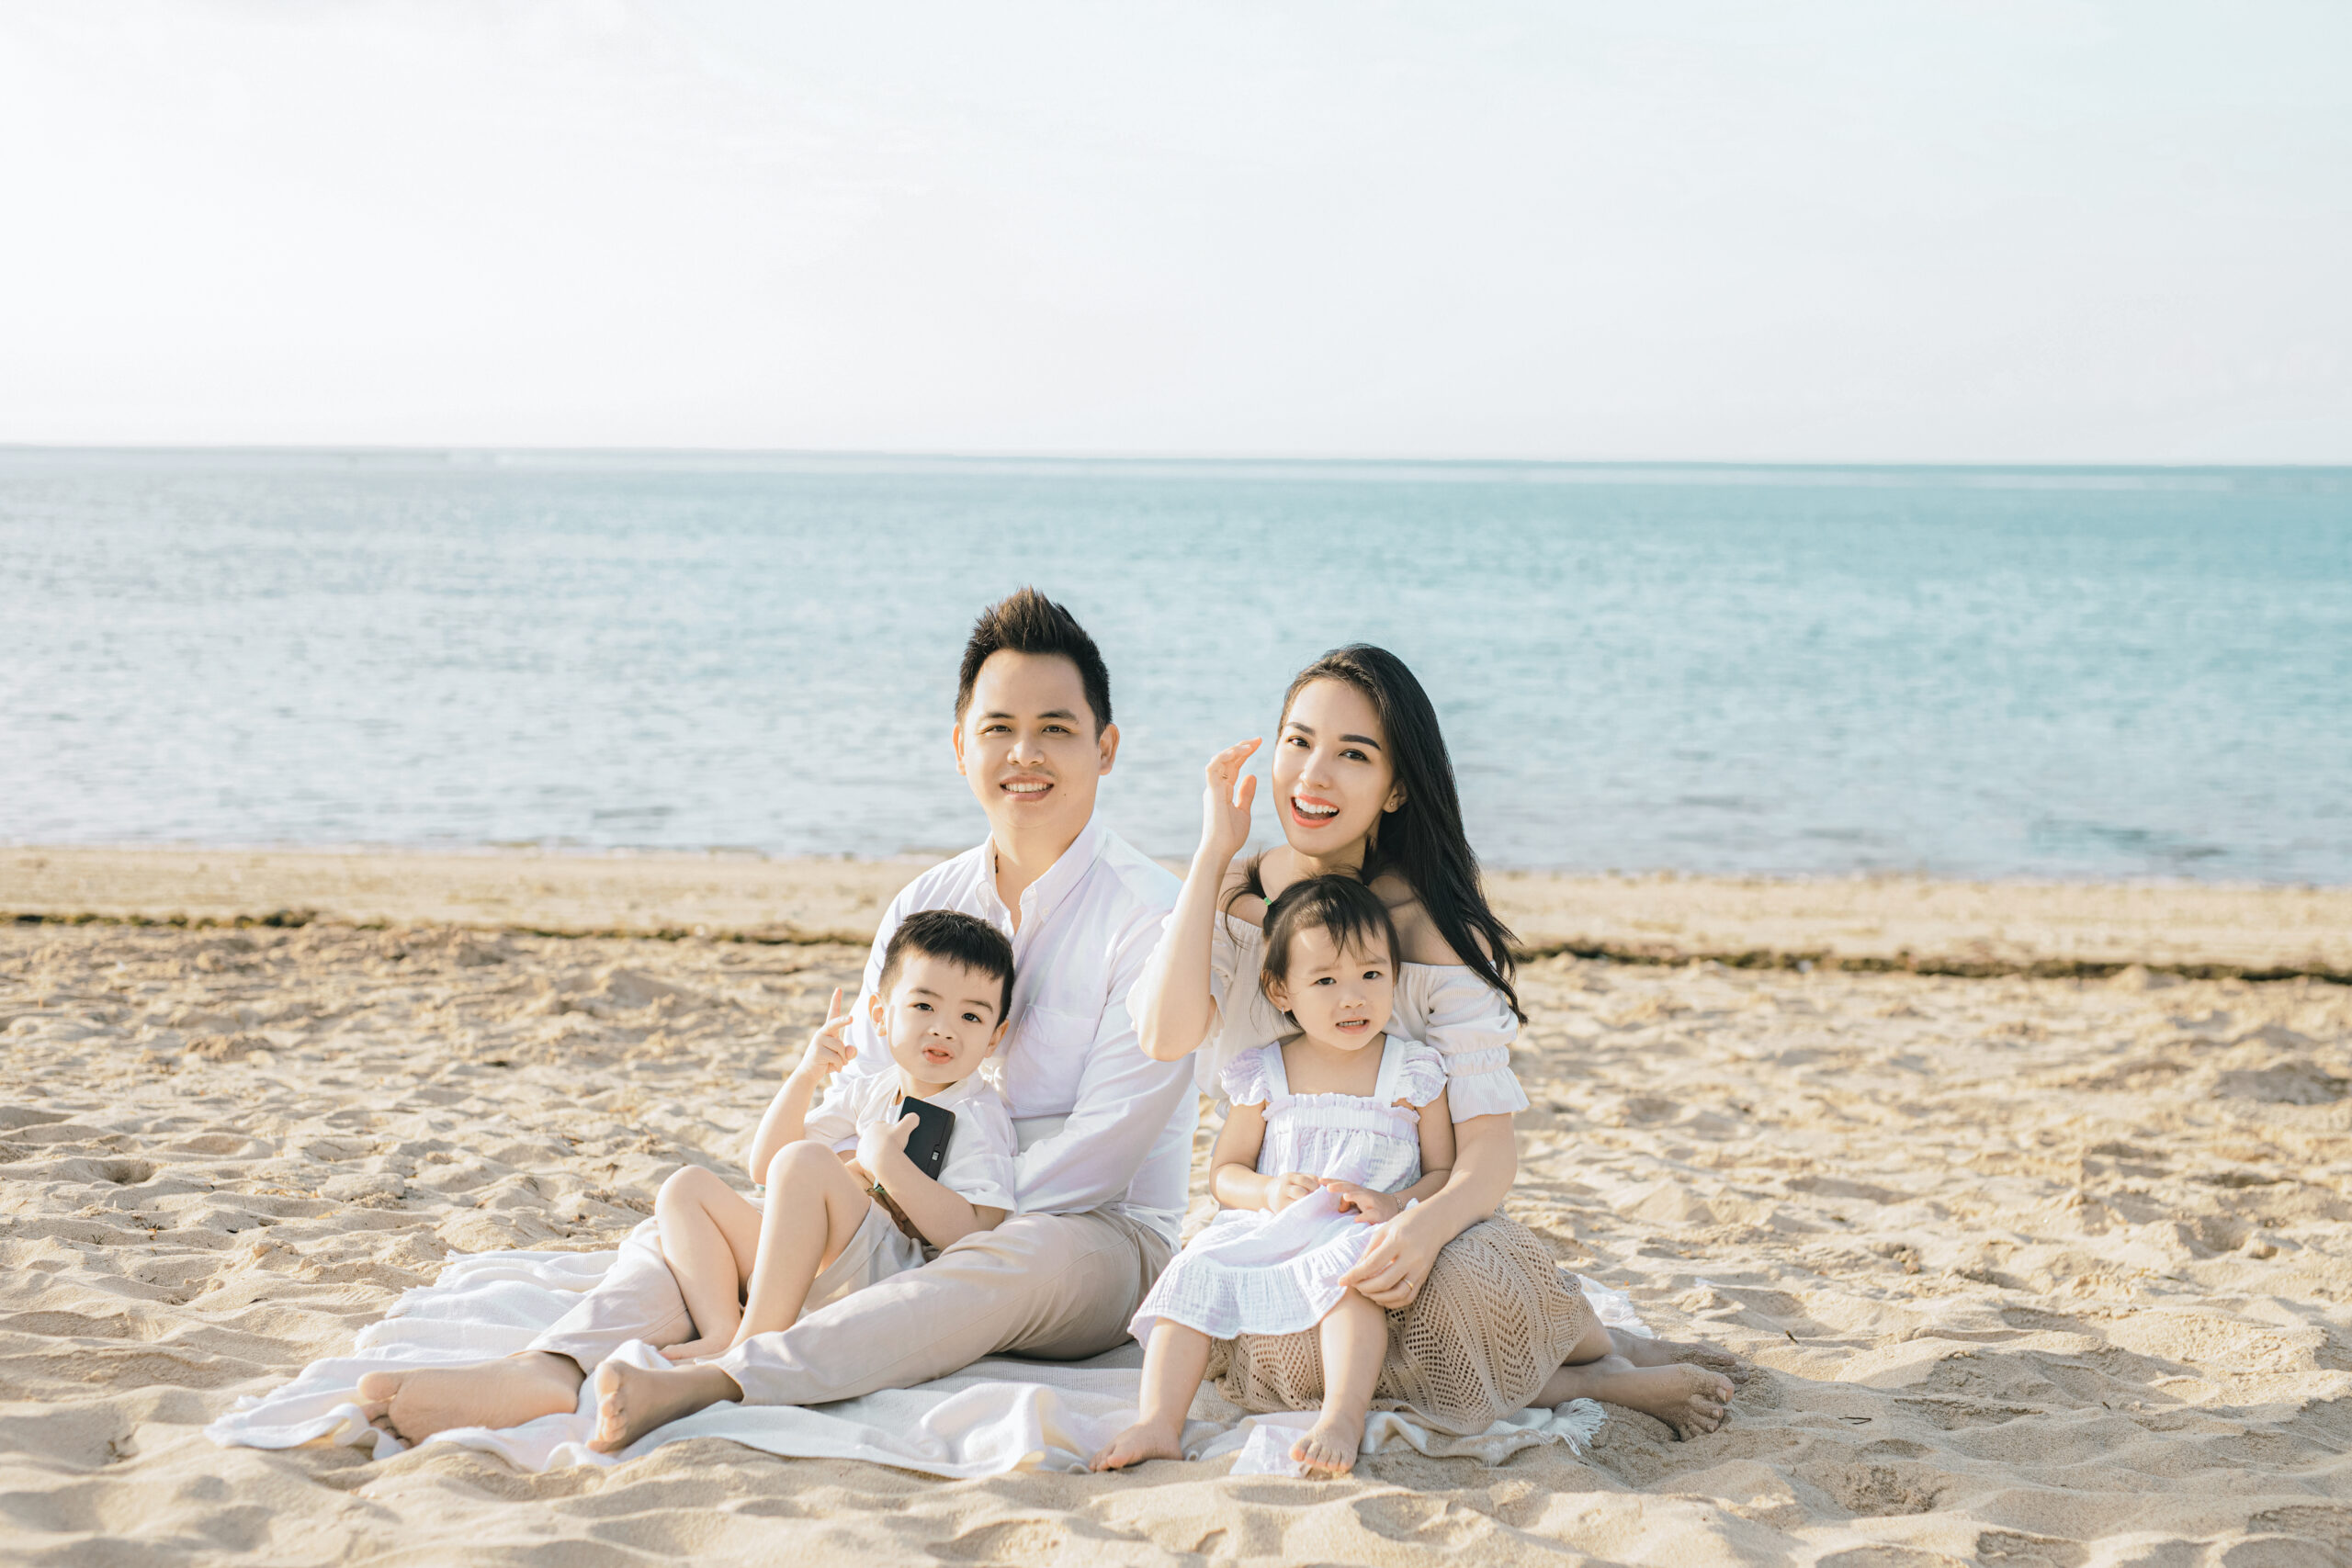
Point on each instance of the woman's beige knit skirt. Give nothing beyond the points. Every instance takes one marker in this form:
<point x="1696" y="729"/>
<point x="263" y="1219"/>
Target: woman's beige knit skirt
<point x="1494" y="1321"/>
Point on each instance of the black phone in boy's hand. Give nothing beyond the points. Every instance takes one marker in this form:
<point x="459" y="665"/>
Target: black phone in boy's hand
<point x="927" y="1144"/>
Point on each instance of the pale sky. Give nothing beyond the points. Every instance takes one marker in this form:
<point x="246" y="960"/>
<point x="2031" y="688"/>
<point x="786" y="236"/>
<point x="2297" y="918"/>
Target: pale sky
<point x="2043" y="231"/>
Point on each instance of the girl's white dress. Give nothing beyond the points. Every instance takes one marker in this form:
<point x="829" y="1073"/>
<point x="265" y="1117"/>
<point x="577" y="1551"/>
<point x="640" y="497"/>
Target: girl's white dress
<point x="1254" y="1272"/>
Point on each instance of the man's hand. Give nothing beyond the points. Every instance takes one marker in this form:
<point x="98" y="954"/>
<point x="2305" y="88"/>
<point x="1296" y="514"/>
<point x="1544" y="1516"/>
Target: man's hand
<point x="1288" y="1189"/>
<point x="883" y="1150"/>
<point x="827" y="1052"/>
<point x="1372" y="1208"/>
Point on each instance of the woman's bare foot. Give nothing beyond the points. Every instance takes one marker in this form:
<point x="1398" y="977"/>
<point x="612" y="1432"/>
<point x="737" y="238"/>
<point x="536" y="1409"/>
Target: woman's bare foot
<point x="1140" y="1443"/>
<point x="633" y="1401"/>
<point x="1329" y="1446"/>
<point x="413" y="1406"/>
<point x="697" y="1349"/>
<point x="1644" y="1352"/>
<point x="1689" y="1399"/>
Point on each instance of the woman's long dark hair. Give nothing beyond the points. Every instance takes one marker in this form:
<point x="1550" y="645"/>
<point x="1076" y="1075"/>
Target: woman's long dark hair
<point x="1421" y="841"/>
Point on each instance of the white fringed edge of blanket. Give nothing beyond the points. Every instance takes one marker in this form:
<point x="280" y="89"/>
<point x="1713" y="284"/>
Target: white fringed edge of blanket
<point x="994" y="1417"/>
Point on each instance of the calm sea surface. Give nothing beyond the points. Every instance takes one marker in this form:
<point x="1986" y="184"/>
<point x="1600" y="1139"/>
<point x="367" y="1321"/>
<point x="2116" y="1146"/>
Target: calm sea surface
<point x="2070" y="672"/>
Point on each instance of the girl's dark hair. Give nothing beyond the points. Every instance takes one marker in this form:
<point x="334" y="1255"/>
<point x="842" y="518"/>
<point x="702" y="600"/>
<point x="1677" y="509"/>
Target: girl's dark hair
<point x="1421" y="841"/>
<point x="962" y="939"/>
<point x="1351" y="911"/>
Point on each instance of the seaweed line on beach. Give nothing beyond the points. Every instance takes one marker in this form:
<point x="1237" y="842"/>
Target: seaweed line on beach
<point x="1657" y="955"/>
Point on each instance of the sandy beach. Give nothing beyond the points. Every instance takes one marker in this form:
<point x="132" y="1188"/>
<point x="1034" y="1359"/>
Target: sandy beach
<point x="2039" y="1260"/>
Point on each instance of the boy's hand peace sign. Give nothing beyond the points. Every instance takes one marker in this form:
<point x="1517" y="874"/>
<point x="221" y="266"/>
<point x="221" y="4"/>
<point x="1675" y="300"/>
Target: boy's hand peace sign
<point x="1224" y="811"/>
<point x="827" y="1052"/>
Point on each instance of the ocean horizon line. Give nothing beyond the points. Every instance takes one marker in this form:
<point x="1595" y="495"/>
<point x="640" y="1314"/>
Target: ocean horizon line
<point x="524" y="458"/>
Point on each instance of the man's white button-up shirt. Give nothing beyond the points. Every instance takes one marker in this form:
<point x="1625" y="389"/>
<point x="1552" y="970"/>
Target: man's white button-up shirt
<point x="1101" y="1124"/>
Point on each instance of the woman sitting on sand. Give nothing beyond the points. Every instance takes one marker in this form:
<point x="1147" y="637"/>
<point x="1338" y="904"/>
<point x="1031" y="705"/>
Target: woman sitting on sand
<point x="1481" y="1321"/>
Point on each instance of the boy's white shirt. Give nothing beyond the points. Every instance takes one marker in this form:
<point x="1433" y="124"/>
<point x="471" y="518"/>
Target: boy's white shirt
<point x="979" y="1154"/>
<point x="1099" y="1123"/>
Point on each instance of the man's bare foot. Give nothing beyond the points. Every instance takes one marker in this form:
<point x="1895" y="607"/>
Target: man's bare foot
<point x="1689" y="1399"/>
<point x="413" y="1406"/>
<point x="697" y="1349"/>
<point x="633" y="1401"/>
<point x="1329" y="1446"/>
<point x="1140" y="1443"/>
<point x="1644" y="1352"/>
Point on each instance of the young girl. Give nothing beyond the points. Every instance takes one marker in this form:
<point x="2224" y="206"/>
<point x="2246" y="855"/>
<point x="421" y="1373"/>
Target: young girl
<point x="1333" y="1131"/>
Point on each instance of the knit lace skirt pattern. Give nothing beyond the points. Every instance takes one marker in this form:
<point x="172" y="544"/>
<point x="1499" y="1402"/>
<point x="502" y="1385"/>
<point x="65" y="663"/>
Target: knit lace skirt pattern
<point x="1495" y="1319"/>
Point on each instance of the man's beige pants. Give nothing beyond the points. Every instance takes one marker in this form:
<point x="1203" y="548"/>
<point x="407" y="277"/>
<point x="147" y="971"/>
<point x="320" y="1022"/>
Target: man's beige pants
<point x="1061" y="1287"/>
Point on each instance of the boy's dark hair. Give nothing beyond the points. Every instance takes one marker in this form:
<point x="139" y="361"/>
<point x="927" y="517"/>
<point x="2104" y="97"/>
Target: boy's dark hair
<point x="1027" y="622"/>
<point x="1351" y="911"/>
<point x="955" y="938"/>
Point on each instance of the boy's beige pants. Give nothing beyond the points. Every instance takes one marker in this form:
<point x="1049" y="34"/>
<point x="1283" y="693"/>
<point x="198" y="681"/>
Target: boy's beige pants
<point x="1061" y="1287"/>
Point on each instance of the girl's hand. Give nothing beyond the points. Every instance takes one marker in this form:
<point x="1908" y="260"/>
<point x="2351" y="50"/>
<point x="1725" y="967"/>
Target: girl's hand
<point x="827" y="1052"/>
<point x="1375" y="1208"/>
<point x="1397" y="1264"/>
<point x="1224" y="811"/>
<point x="1288" y="1189"/>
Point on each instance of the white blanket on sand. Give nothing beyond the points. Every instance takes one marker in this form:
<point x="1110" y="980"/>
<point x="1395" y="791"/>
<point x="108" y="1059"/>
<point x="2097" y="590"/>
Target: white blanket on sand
<point x="995" y="1416"/>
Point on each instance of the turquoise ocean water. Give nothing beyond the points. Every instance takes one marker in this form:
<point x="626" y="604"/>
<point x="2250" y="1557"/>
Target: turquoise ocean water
<point x="2092" y="672"/>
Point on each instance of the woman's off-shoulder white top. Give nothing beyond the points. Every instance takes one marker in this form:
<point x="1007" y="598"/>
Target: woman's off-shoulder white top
<point x="1447" y="1005"/>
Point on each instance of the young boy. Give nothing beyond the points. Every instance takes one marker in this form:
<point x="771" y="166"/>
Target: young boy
<point x="846" y="1207"/>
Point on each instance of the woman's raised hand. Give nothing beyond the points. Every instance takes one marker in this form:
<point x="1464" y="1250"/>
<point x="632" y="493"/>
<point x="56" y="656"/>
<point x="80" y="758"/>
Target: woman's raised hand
<point x="1224" y="810"/>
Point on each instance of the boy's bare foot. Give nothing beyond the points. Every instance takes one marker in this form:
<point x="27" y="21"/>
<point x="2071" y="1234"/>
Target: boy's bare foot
<point x="1644" y="1352"/>
<point x="1689" y="1399"/>
<point x="633" y="1401"/>
<point x="1329" y="1446"/>
<point x="696" y="1349"/>
<point x="1140" y="1443"/>
<point x="413" y="1406"/>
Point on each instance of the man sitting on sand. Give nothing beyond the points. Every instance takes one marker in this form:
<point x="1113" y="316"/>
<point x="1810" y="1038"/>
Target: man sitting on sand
<point x="1105" y="1133"/>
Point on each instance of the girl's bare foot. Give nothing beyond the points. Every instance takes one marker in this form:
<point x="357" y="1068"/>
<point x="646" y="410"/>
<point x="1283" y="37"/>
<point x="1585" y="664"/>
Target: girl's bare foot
<point x="1689" y="1399"/>
<point x="1644" y="1352"/>
<point x="413" y="1406"/>
<point x="633" y="1401"/>
<point x="1329" y="1446"/>
<point x="696" y="1349"/>
<point x="1140" y="1443"/>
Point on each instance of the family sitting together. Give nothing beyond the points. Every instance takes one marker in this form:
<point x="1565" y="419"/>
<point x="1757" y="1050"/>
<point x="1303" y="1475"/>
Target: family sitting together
<point x="1049" y="1002"/>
